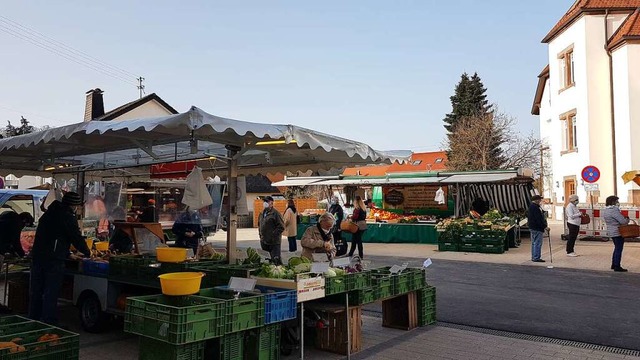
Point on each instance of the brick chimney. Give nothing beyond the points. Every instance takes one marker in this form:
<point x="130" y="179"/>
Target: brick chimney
<point x="94" y="106"/>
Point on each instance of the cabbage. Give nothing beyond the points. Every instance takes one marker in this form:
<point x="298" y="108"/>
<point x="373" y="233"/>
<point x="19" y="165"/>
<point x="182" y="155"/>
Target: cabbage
<point x="302" y="268"/>
<point x="338" y="271"/>
<point x="330" y="273"/>
<point x="294" y="261"/>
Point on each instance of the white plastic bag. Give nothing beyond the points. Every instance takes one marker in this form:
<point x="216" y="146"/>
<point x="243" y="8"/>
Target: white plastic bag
<point x="54" y="194"/>
<point x="196" y="196"/>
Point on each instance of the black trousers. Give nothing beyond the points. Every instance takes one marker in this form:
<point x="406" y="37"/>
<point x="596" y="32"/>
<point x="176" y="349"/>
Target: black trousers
<point x="573" y="235"/>
<point x="356" y="240"/>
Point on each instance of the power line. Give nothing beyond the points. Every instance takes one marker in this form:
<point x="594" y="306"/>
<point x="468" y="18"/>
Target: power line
<point x="54" y="47"/>
<point x="68" y="48"/>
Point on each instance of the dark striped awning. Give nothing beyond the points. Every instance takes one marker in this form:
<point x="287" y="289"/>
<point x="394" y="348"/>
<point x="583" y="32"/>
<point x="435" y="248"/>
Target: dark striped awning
<point x="504" y="197"/>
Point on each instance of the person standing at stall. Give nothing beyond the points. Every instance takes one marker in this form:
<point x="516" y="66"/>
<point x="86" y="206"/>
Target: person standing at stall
<point x="537" y="227"/>
<point x="188" y="230"/>
<point x="57" y="230"/>
<point x="338" y="213"/>
<point x="291" y="225"/>
<point x="614" y="218"/>
<point x="574" y="218"/>
<point x="318" y="239"/>
<point x="270" y="228"/>
<point x="360" y="218"/>
<point x="11" y="225"/>
<point x="150" y="213"/>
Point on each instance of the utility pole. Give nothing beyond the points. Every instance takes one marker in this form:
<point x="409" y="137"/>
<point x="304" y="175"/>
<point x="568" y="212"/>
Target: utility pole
<point x="140" y="85"/>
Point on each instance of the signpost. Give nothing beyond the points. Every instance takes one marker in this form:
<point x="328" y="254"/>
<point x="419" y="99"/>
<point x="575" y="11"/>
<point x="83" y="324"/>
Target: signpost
<point x="590" y="175"/>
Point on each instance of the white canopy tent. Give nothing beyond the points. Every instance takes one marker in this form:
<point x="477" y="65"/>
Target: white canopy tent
<point x="107" y="148"/>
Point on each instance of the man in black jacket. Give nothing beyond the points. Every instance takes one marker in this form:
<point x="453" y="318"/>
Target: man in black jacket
<point x="11" y="225"/>
<point x="57" y="231"/>
<point x="537" y="227"/>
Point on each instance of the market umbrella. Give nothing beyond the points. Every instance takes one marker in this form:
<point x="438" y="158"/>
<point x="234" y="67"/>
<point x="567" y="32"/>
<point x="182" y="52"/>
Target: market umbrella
<point x="632" y="176"/>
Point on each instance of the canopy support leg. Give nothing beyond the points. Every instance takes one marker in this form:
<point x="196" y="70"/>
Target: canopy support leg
<point x="232" y="185"/>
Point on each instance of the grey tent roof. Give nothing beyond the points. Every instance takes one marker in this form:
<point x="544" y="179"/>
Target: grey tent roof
<point x="193" y="135"/>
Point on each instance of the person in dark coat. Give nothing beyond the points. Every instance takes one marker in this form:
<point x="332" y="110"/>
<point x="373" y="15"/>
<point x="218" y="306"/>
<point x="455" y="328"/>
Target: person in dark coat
<point x="537" y="227"/>
<point x="11" y="225"/>
<point x="338" y="213"/>
<point x="188" y="230"/>
<point x="149" y="214"/>
<point x="57" y="230"/>
<point x="270" y="229"/>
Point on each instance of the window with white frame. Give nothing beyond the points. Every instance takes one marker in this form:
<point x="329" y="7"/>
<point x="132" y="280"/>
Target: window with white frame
<point x="569" y="131"/>
<point x="567" y="68"/>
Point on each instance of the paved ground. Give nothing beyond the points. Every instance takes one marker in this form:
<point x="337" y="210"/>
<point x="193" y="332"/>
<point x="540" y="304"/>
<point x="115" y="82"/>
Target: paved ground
<point x="572" y="298"/>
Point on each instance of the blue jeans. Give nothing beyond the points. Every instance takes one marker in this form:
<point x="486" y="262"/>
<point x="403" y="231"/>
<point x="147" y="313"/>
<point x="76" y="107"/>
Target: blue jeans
<point x="293" y="244"/>
<point x="618" y="245"/>
<point x="44" y="289"/>
<point x="536" y="244"/>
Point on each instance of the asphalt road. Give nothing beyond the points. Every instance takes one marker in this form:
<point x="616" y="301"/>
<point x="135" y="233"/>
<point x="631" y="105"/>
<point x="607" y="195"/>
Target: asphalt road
<point x="595" y="307"/>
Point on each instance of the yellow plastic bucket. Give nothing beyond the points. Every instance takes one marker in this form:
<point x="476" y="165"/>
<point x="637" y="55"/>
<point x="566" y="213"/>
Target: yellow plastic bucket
<point x="181" y="283"/>
<point x="102" y="246"/>
<point x="89" y="243"/>
<point x="171" y="255"/>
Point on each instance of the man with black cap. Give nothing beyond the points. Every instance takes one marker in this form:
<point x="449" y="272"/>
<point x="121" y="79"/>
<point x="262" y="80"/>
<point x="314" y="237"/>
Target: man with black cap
<point x="270" y="228"/>
<point x="149" y="214"/>
<point x="57" y="231"/>
<point x="11" y="225"/>
<point x="537" y="227"/>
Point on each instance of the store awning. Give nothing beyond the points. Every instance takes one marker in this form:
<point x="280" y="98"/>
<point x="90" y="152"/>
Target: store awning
<point x="193" y="135"/>
<point x="479" y="178"/>
<point x="301" y="181"/>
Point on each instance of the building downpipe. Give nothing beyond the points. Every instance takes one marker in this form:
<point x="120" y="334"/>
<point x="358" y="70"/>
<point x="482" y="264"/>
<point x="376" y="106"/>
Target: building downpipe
<point x="613" y="111"/>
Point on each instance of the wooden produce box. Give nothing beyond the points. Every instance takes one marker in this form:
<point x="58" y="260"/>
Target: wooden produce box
<point x="334" y="337"/>
<point x="307" y="287"/>
<point x="401" y="312"/>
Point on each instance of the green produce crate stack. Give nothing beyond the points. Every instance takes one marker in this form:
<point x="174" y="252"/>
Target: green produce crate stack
<point x="263" y="343"/>
<point x="427" y="306"/>
<point x="30" y="339"/>
<point x="335" y="285"/>
<point x="243" y="310"/>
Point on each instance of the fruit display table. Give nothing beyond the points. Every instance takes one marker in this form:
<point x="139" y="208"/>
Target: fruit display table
<point x="391" y="233"/>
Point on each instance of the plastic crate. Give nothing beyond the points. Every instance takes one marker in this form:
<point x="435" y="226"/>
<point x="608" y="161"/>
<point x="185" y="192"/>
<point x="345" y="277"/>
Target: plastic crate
<point x="335" y="285"/>
<point x="263" y="343"/>
<point x="126" y="266"/>
<point x="228" y="347"/>
<point x="220" y="275"/>
<point x="175" y="319"/>
<point x="242" y="313"/>
<point x="447" y="246"/>
<point x="416" y="278"/>
<point x="467" y="247"/>
<point x="359" y="280"/>
<point x="18" y="325"/>
<point x="65" y="347"/>
<point x="472" y="239"/>
<point x="496" y="241"/>
<point x="95" y="268"/>
<point x="401" y="283"/>
<point x="362" y="296"/>
<point x="382" y="285"/>
<point x="151" y="349"/>
<point x="426" y="306"/>
<point x="491" y="249"/>
<point x="279" y="304"/>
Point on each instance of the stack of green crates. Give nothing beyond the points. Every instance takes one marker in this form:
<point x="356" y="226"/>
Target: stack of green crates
<point x="426" y="305"/>
<point x="65" y="347"/>
<point x="472" y="239"/>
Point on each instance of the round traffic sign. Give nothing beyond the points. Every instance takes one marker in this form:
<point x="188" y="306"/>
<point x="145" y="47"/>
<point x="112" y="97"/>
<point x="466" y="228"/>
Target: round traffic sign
<point x="590" y="174"/>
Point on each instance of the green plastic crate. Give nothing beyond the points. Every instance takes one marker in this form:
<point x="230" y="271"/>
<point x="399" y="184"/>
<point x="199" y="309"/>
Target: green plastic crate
<point x="263" y="343"/>
<point x="7" y="329"/>
<point x="426" y="306"/>
<point x="448" y="246"/>
<point x="128" y="266"/>
<point x="491" y="249"/>
<point x="242" y="313"/>
<point x="359" y="280"/>
<point x="467" y="247"/>
<point x="382" y="285"/>
<point x="401" y="283"/>
<point x="227" y="347"/>
<point x="335" y="285"/>
<point x="220" y="275"/>
<point x="65" y="347"/>
<point x="151" y="349"/>
<point x="472" y="239"/>
<point x="175" y="319"/>
<point x="362" y="296"/>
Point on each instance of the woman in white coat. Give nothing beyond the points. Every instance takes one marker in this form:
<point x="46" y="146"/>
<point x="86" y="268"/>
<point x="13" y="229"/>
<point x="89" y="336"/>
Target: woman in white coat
<point x="291" y="225"/>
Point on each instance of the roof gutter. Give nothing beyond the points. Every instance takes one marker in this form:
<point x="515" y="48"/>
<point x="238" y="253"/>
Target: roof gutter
<point x="612" y="105"/>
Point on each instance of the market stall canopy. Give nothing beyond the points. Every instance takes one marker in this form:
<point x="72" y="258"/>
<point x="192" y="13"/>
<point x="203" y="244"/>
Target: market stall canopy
<point x="380" y="181"/>
<point x="193" y="135"/>
<point x="302" y="181"/>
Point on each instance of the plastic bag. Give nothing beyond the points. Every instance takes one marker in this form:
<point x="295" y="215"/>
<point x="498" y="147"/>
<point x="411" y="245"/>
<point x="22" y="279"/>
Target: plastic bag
<point x="196" y="195"/>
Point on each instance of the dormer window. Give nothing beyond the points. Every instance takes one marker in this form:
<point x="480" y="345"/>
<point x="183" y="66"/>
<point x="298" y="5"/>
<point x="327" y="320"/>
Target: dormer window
<point x="439" y="160"/>
<point x="567" y="69"/>
<point x="417" y="162"/>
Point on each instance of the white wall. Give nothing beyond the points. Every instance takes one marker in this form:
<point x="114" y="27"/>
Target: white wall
<point x="149" y="109"/>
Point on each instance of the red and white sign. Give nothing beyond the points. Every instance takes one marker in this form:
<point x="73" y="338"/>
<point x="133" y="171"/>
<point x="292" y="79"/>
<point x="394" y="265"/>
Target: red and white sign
<point x="590" y="174"/>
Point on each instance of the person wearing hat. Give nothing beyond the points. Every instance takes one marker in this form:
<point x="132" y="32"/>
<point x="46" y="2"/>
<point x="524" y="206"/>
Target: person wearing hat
<point x="614" y="218"/>
<point x="57" y="230"/>
<point x="188" y="230"/>
<point x="11" y="225"/>
<point x="574" y="220"/>
<point x="537" y="227"/>
<point x="270" y="229"/>
<point x="149" y="214"/>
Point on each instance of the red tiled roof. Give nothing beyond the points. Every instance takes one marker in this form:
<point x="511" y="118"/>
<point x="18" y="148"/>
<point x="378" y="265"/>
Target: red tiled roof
<point x="422" y="162"/>
<point x="591" y="6"/>
<point x="378" y="170"/>
<point x="629" y="30"/>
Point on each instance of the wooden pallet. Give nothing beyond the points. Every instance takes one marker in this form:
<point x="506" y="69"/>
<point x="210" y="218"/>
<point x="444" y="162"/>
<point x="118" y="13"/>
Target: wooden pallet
<point x="334" y="337"/>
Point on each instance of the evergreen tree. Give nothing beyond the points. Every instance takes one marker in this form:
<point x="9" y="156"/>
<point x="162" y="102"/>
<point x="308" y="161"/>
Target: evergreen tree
<point x="469" y="102"/>
<point x="24" y="128"/>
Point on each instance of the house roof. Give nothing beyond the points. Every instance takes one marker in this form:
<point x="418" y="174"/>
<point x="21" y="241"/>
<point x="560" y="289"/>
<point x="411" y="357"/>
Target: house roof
<point x="542" y="82"/>
<point x="420" y="162"/>
<point x="629" y="30"/>
<point x="120" y="110"/>
<point x="427" y="161"/>
<point x="589" y="6"/>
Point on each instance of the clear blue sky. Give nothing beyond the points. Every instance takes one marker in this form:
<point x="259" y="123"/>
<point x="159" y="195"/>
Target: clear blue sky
<point x="380" y="72"/>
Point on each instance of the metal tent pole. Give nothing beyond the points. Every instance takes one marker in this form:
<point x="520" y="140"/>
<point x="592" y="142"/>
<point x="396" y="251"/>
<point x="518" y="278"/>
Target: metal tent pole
<point x="232" y="183"/>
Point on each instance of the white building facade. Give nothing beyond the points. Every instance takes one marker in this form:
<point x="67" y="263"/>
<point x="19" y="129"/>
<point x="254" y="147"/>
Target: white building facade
<point x="588" y="101"/>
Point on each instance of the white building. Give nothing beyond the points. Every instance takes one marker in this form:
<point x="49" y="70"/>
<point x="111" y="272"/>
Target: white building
<point x="588" y="100"/>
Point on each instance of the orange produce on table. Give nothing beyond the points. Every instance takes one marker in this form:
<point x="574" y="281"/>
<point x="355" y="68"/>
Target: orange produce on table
<point x="382" y="215"/>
